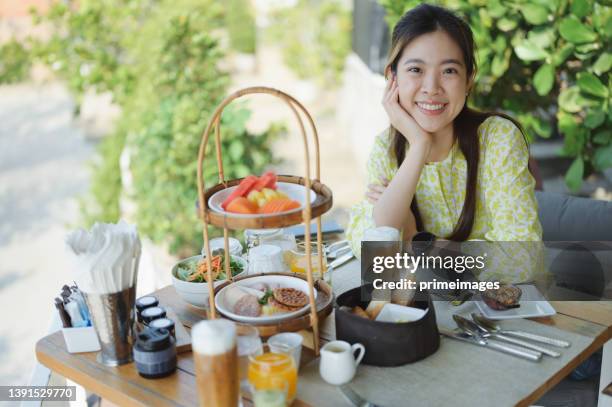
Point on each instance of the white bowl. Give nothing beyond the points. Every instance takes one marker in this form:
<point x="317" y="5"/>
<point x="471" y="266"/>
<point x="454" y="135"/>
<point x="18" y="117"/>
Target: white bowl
<point x="196" y="294"/>
<point x="296" y="192"/>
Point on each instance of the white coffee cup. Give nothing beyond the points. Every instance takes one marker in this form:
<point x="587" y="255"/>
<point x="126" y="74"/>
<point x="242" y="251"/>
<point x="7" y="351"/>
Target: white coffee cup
<point x="292" y="341"/>
<point x="266" y="258"/>
<point x="338" y="363"/>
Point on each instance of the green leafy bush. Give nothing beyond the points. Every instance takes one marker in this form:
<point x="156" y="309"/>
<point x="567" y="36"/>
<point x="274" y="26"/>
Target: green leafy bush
<point x="240" y="22"/>
<point x="102" y="203"/>
<point x="105" y="45"/>
<point x="15" y="62"/>
<point x="548" y="64"/>
<point x="315" y="37"/>
<point x="160" y="62"/>
<point x="164" y="148"/>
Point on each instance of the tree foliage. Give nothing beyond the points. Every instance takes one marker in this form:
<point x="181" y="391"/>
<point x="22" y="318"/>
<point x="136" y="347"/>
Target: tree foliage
<point x="160" y="62"/>
<point x="546" y="62"/>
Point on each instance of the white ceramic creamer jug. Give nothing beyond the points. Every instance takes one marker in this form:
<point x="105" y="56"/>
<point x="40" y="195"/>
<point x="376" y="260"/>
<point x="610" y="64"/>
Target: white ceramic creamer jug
<point x="338" y="362"/>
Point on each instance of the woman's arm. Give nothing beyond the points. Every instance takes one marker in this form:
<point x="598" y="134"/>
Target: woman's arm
<point x="394" y="210"/>
<point x="393" y="206"/>
<point x="507" y="186"/>
<point x="374" y="193"/>
<point x="508" y="189"/>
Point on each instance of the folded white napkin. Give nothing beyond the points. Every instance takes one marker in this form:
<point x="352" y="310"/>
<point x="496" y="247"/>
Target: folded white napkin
<point x="105" y="259"/>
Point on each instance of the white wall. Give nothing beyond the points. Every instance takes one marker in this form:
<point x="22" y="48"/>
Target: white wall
<point x="360" y="111"/>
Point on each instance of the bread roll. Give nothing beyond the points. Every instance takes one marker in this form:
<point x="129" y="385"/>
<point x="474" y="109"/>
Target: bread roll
<point x="360" y="312"/>
<point x="374" y="308"/>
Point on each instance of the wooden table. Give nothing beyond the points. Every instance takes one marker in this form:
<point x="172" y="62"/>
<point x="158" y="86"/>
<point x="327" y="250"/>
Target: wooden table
<point x="123" y="385"/>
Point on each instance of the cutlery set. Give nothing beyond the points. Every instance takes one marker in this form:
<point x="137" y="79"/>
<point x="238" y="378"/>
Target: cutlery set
<point x="336" y="249"/>
<point x="483" y="332"/>
<point x="340" y="252"/>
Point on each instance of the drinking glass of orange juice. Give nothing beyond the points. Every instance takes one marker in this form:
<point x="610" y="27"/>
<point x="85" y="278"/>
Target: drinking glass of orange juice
<point x="271" y="370"/>
<point x="297" y="260"/>
<point x="271" y="397"/>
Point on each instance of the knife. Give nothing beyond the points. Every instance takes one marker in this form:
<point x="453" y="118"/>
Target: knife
<point x="355" y="398"/>
<point x="487" y="333"/>
<point x="339" y="252"/>
<point x="341" y="260"/>
<point x="471" y="328"/>
<point x="466" y="337"/>
<point x="493" y="327"/>
<point x="336" y="249"/>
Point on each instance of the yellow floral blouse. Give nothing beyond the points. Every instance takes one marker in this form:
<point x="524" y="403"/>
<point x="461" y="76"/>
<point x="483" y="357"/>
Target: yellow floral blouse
<point x="506" y="208"/>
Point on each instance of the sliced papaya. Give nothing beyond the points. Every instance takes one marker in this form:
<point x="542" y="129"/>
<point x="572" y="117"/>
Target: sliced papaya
<point x="279" y="205"/>
<point x="245" y="186"/>
<point x="290" y="204"/>
<point x="242" y="205"/>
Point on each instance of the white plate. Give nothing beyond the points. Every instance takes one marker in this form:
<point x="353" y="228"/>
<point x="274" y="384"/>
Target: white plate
<point x="533" y="304"/>
<point x="293" y="191"/>
<point x="225" y="308"/>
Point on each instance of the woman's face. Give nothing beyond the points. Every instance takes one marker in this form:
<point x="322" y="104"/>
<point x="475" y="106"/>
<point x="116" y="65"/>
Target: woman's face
<point x="432" y="80"/>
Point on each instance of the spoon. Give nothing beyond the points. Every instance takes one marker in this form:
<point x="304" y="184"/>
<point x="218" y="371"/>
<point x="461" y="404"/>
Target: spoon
<point x="496" y="335"/>
<point x="470" y="327"/>
<point x="494" y="328"/>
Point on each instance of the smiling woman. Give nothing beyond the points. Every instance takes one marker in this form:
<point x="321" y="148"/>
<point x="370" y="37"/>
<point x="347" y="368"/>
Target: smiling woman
<point x="443" y="167"/>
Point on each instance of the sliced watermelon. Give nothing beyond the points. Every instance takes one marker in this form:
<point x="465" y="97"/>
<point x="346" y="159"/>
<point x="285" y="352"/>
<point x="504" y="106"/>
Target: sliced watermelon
<point x="245" y="186"/>
<point x="267" y="180"/>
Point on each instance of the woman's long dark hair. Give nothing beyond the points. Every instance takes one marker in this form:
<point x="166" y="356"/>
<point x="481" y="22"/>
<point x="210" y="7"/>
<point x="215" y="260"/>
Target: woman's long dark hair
<point x="424" y="19"/>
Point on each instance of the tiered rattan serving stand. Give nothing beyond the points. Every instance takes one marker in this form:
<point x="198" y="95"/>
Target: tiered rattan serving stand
<point x="311" y="210"/>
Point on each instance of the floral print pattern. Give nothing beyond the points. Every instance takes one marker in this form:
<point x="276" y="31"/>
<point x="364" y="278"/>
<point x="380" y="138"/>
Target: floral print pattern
<point x="506" y="208"/>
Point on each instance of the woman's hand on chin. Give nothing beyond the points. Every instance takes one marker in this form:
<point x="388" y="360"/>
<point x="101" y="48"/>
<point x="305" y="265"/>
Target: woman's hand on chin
<point x="402" y="121"/>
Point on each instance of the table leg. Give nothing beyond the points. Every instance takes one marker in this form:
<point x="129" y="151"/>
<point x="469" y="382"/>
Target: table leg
<point x="606" y="375"/>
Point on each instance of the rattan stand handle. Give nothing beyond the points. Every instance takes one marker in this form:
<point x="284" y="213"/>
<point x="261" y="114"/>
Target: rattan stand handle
<point x="296" y="107"/>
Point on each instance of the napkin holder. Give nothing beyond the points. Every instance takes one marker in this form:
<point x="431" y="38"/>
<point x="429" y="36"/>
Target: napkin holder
<point x="387" y="343"/>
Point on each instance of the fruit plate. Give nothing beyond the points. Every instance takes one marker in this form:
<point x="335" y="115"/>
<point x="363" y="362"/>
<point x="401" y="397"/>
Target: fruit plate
<point x="293" y="191"/>
<point x="225" y="305"/>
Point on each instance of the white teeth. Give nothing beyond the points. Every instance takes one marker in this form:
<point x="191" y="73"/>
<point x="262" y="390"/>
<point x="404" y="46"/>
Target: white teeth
<point x="427" y="106"/>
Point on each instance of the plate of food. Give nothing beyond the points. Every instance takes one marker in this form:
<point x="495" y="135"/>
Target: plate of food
<point x="260" y="196"/>
<point x="264" y="299"/>
<point x="190" y="276"/>
<point x="514" y="301"/>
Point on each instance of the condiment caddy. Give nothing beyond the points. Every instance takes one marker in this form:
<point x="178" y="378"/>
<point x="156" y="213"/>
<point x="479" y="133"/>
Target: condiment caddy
<point x="77" y="329"/>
